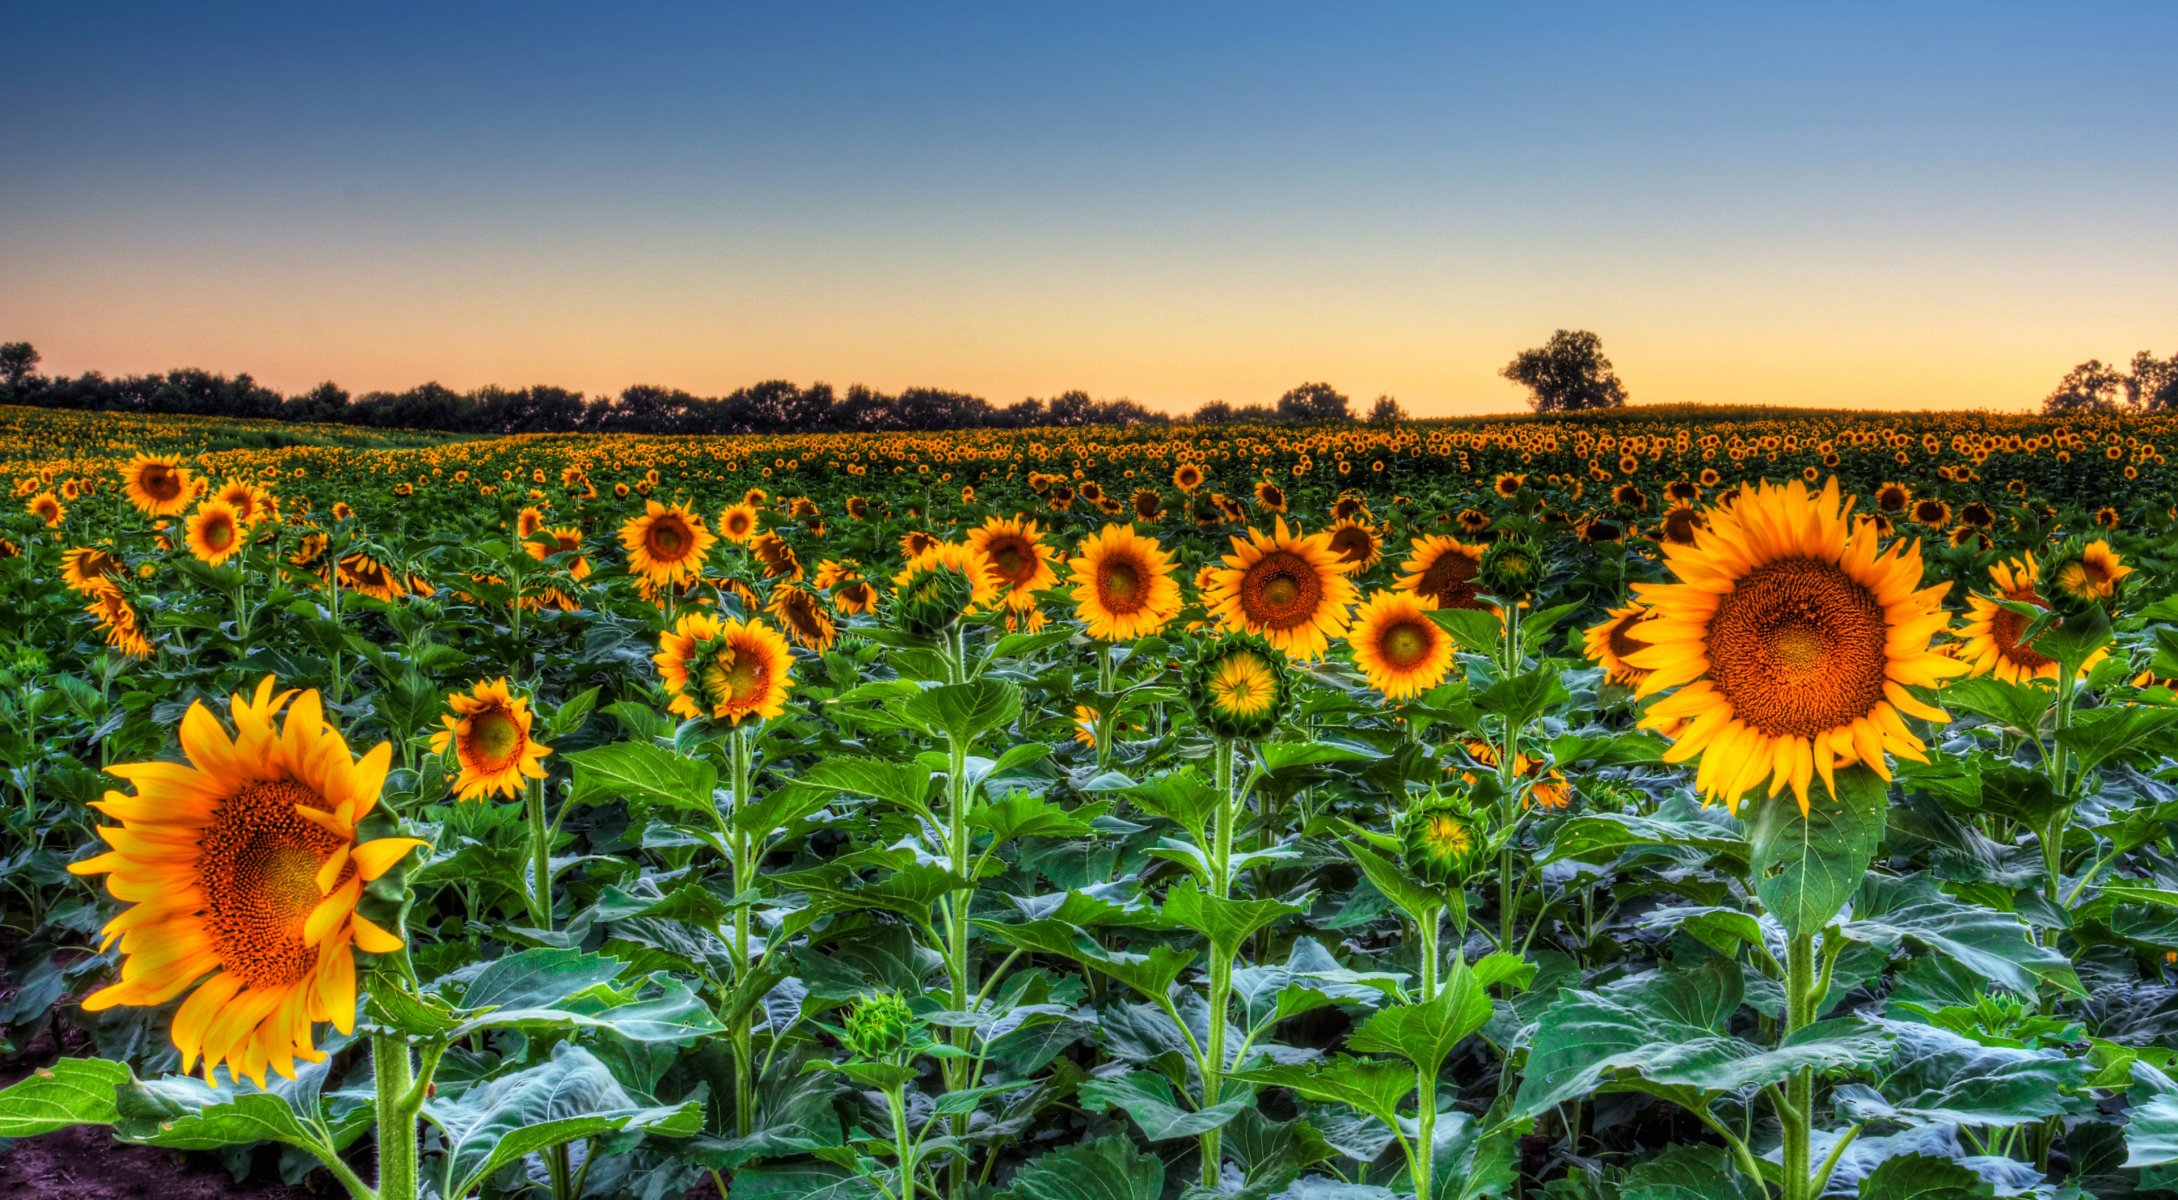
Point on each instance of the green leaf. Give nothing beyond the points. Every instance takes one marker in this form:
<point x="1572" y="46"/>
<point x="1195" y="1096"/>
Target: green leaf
<point x="1806" y="868"/>
<point x="1522" y="698"/>
<point x="1106" y="1169"/>
<point x="1427" y="1033"/>
<point x="73" y="1091"/>
<point x="537" y="977"/>
<point x="1476" y="630"/>
<point x="1146" y="1097"/>
<point x="1934" y="1075"/>
<point x="569" y="1097"/>
<point x="964" y="712"/>
<point x="1226" y="923"/>
<point x="1415" y="898"/>
<point x="1151" y="974"/>
<point x="1282" y="757"/>
<point x="1367" y="1085"/>
<point x="1684" y="1172"/>
<point x="1599" y="837"/>
<point x="183" y="1113"/>
<point x="2151" y="1126"/>
<point x="1994" y="945"/>
<point x="644" y="775"/>
<point x="906" y="784"/>
<point x="675" y="1014"/>
<point x="2101" y="734"/>
<point x="1924" y="1177"/>
<point x="2016" y="706"/>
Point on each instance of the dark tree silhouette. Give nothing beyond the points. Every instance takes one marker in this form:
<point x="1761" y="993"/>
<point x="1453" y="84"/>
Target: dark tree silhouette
<point x="2154" y="382"/>
<point x="1314" y="402"/>
<point x="2092" y="386"/>
<point x="1386" y="411"/>
<point x="17" y="361"/>
<point x="1567" y="374"/>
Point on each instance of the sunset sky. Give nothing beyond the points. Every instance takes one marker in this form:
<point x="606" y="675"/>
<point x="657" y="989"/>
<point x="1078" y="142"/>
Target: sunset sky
<point x="1888" y="205"/>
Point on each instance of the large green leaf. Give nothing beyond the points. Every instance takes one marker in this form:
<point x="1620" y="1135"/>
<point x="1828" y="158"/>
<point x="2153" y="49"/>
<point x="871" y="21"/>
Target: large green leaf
<point x="1994" y="945"/>
<point x="1224" y="922"/>
<point x="643" y="774"/>
<point x="1924" y="1177"/>
<point x="73" y="1091"/>
<point x="2151" y="1126"/>
<point x="1806" y="868"/>
<point x="2122" y="731"/>
<point x="1106" y="1169"/>
<point x="537" y="977"/>
<point x="568" y="1097"/>
<point x="906" y="784"/>
<point x="2017" y="706"/>
<point x="964" y="712"/>
<point x="1427" y="1033"/>
<point x="1684" y="1172"/>
<point x="1599" y="837"/>
<point x="1367" y="1085"/>
<point x="1147" y="1099"/>
<point x="1936" y="1076"/>
<point x="1151" y="974"/>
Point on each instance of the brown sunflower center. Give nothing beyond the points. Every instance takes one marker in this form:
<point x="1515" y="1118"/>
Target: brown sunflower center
<point x="2005" y="626"/>
<point x="257" y="864"/>
<point x="1281" y="591"/>
<point x="1013" y="560"/>
<point x="495" y="739"/>
<point x="218" y="533"/>
<point x="1119" y="585"/>
<point x="160" y="482"/>
<point x="1450" y="580"/>
<point x="1798" y="648"/>
<point x="1353" y="544"/>
<point x="1405" y="645"/>
<point x="667" y="538"/>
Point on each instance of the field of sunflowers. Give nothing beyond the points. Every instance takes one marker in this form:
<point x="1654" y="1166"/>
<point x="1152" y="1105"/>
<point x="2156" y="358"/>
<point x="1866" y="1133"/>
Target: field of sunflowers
<point x="1663" y="804"/>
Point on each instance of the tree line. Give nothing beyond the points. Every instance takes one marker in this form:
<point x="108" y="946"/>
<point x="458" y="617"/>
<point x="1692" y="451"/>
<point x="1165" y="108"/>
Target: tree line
<point x="2151" y="385"/>
<point x="1568" y="373"/>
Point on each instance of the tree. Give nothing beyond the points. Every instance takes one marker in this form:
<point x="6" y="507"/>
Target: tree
<point x="2092" y="386"/>
<point x="1314" y="402"/>
<point x="17" y="360"/>
<point x="1386" y="411"/>
<point x="2154" y="382"/>
<point x="1217" y="412"/>
<point x="1567" y="374"/>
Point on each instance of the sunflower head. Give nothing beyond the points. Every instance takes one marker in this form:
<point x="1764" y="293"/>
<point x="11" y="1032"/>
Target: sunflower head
<point x="489" y="730"/>
<point x="1238" y="687"/>
<point x="802" y="615"/>
<point x="879" y="1028"/>
<point x="158" y="485"/>
<point x="723" y="669"/>
<point x="1288" y="588"/>
<point x="1401" y="651"/>
<point x="940" y="586"/>
<point x="2085" y="575"/>
<point x="666" y="545"/>
<point x="1017" y="556"/>
<point x="215" y="532"/>
<point x="1510" y="568"/>
<point x="1610" y="641"/>
<point x="245" y="867"/>
<point x="1122" y="584"/>
<point x="1443" y="571"/>
<point x="1442" y="839"/>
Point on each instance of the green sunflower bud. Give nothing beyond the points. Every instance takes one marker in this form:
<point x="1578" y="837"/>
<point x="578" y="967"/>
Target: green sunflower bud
<point x="1510" y="567"/>
<point x="1442" y="841"/>
<point x="1238" y="687"/>
<point x="878" y="1027"/>
<point x="932" y="601"/>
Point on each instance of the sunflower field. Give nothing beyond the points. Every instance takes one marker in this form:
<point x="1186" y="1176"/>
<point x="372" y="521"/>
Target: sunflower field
<point x="1662" y="804"/>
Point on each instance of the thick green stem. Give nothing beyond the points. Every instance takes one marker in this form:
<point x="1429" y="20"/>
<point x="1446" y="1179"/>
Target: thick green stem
<point x="394" y="1075"/>
<point x="1428" y="925"/>
<point x="540" y="857"/>
<point x="896" y="1100"/>
<point x="1221" y="966"/>
<point x="1797" y="1116"/>
<point x="1425" y="1087"/>
<point x="956" y="921"/>
<point x="744" y="867"/>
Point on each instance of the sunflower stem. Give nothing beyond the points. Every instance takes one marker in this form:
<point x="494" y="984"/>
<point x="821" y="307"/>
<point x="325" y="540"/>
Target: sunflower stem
<point x="744" y="867"/>
<point x="540" y="857"/>
<point x="1221" y="966"/>
<point x="1796" y="1116"/>
<point x="397" y="1105"/>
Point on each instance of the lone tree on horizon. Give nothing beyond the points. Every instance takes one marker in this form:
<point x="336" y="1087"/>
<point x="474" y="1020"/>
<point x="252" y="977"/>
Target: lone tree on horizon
<point x="1567" y="374"/>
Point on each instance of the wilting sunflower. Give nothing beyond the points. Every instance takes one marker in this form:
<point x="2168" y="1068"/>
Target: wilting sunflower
<point x="1442" y="571"/>
<point x="1610" y="640"/>
<point x="85" y="568"/>
<point x="118" y="621"/>
<point x="1019" y="559"/>
<point x="666" y="545"/>
<point x="1238" y="687"/>
<point x="1791" y="640"/>
<point x="215" y="532"/>
<point x="724" y="669"/>
<point x="1354" y="540"/>
<point x="1290" y="589"/>
<point x="1991" y="632"/>
<point x="2089" y="574"/>
<point x="803" y="616"/>
<point x="777" y="557"/>
<point x="360" y="572"/>
<point x="158" y="485"/>
<point x="47" y="508"/>
<point x="489" y="730"/>
<point x="244" y="869"/>
<point x="737" y="523"/>
<point x="1123" y="585"/>
<point x="1401" y="651"/>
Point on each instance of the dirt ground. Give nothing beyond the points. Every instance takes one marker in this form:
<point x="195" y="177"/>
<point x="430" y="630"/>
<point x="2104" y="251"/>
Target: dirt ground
<point x="86" y="1164"/>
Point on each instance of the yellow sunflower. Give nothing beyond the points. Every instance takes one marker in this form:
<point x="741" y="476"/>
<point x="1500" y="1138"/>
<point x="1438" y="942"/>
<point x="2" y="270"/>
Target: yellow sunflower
<point x="1355" y="541"/>
<point x="1610" y="640"/>
<point x="158" y="485"/>
<point x="1990" y="635"/>
<point x="47" y="508"/>
<point x="1019" y="559"/>
<point x="243" y="870"/>
<point x="85" y="568"/>
<point x="1791" y="640"/>
<point x="802" y="614"/>
<point x="2093" y="575"/>
<point x="489" y="730"/>
<point x="737" y="523"/>
<point x="1401" y="651"/>
<point x="666" y="545"/>
<point x="1442" y="570"/>
<point x="1123" y="585"/>
<point x="1289" y="588"/>
<point x="215" y="532"/>
<point x="117" y="619"/>
<point x="724" y="669"/>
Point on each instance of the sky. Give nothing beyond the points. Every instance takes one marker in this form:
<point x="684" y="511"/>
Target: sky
<point x="1894" y="205"/>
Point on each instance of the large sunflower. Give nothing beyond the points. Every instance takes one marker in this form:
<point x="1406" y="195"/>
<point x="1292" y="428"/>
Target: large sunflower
<point x="85" y="568"/>
<point x="1791" y="641"/>
<point x="1442" y="570"/>
<point x="1018" y="558"/>
<point x="244" y="869"/>
<point x="489" y="730"/>
<point x="1991" y="632"/>
<point x="1611" y="640"/>
<point x="724" y="669"/>
<point x="1401" y="651"/>
<point x="158" y="485"/>
<point x="1123" y="585"/>
<point x="666" y="545"/>
<point x="1290" y="589"/>
<point x="215" y="532"/>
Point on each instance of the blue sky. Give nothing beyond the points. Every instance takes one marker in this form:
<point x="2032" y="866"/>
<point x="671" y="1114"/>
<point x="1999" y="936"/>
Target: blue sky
<point x="1894" y="205"/>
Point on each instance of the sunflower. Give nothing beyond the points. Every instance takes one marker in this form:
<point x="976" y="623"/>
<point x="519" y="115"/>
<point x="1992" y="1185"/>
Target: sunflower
<point x="1018" y="557"/>
<point x="1238" y="687"/>
<point x="1401" y="651"/>
<point x="246" y="498"/>
<point x="914" y="542"/>
<point x="2107" y="517"/>
<point x="666" y="545"/>
<point x="803" y="616"/>
<point x="1609" y="641"/>
<point x="737" y="523"/>
<point x="47" y="508"/>
<point x="1791" y="641"/>
<point x="360" y="572"/>
<point x="244" y="869"/>
<point x="1932" y="513"/>
<point x="1187" y="477"/>
<point x="1289" y="588"/>
<point x="159" y="486"/>
<point x="1508" y="485"/>
<point x="724" y="669"/>
<point x="1442" y="571"/>
<point x="1123" y="585"/>
<point x="1990" y="635"/>
<point x="489" y="730"/>
<point x="118" y="621"/>
<point x="1441" y="841"/>
<point x="84" y="569"/>
<point x="1149" y="507"/>
<point x="565" y="539"/>
<point x="1270" y="497"/>
<point x="1355" y="542"/>
<point x="2088" y="575"/>
<point x="777" y="557"/>
<point x="215" y="532"/>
